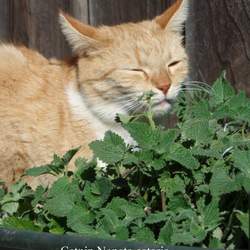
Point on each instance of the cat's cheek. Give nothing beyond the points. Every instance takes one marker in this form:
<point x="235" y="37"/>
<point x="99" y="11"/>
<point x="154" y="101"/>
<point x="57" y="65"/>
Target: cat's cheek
<point x="173" y="91"/>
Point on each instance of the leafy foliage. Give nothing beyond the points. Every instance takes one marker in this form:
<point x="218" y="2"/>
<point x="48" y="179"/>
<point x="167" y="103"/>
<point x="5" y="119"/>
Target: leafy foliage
<point x="181" y="186"/>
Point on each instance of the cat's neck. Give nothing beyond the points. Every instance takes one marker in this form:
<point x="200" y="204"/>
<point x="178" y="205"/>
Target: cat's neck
<point x="81" y="111"/>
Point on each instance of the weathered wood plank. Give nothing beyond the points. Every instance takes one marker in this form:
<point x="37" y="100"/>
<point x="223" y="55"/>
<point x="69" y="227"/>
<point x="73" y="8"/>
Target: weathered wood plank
<point x="218" y="37"/>
<point x="79" y="9"/>
<point x="35" y="24"/>
<point x="110" y="12"/>
<point x="4" y="21"/>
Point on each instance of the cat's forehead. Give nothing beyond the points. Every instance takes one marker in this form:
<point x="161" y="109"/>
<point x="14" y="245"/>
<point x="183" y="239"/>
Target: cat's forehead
<point x="145" y="40"/>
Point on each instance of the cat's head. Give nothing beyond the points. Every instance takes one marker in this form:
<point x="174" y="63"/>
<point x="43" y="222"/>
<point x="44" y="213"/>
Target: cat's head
<point x="118" y="64"/>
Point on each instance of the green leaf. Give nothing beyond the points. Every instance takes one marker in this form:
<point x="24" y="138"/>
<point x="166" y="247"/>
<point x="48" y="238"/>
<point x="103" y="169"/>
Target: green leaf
<point x="37" y="171"/>
<point x="172" y="185"/>
<point x="166" y="234"/>
<point x="132" y="212"/>
<point x="183" y="156"/>
<point x="221" y="183"/>
<point x="60" y="186"/>
<point x="211" y="215"/>
<point x="185" y="238"/>
<point x="17" y="187"/>
<point x="97" y="193"/>
<point x="116" y="205"/>
<point x="197" y="130"/>
<point x="144" y="235"/>
<point x="177" y="202"/>
<point x="60" y="205"/>
<point x="69" y="155"/>
<point x="241" y="161"/>
<point x="78" y="217"/>
<point x="158" y="164"/>
<point x="18" y="223"/>
<point x="10" y="207"/>
<point x="166" y="140"/>
<point x="201" y="110"/>
<point x="244" y="181"/>
<point x="197" y="231"/>
<point x="38" y="195"/>
<point x="2" y="193"/>
<point x="110" y="221"/>
<point x="143" y="134"/>
<point x="55" y="228"/>
<point x="244" y="220"/>
<point x="111" y="150"/>
<point x="125" y="119"/>
<point x="221" y="91"/>
<point x="156" y="218"/>
<point x="122" y="233"/>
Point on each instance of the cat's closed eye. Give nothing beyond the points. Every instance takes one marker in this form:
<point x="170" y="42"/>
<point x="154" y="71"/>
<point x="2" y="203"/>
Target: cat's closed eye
<point x="138" y="70"/>
<point x="174" y="63"/>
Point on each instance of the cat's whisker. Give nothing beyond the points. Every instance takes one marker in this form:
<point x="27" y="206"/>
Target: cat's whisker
<point x="193" y="88"/>
<point x="197" y="83"/>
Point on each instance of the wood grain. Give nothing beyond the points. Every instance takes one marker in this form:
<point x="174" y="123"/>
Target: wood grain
<point x="110" y="12"/>
<point x="4" y="21"/>
<point x="218" y="37"/>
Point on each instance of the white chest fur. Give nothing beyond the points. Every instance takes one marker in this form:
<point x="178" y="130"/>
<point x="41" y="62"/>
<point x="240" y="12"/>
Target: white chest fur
<point x="82" y="112"/>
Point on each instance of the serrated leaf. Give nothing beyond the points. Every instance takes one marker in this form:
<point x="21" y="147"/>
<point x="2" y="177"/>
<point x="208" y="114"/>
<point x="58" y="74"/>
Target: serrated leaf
<point x="143" y="134"/>
<point x="122" y="233"/>
<point x="183" y="156"/>
<point x="37" y="171"/>
<point x="132" y="212"/>
<point x="241" y="161"/>
<point x="244" y="181"/>
<point x="244" y="220"/>
<point x="10" y="207"/>
<point x="17" y="187"/>
<point x="18" y="223"/>
<point x="177" y="202"/>
<point x="79" y="217"/>
<point x="166" y="234"/>
<point x="197" y="130"/>
<point x="110" y="221"/>
<point x="69" y="155"/>
<point x="55" y="228"/>
<point x="111" y="150"/>
<point x="221" y="91"/>
<point x="60" y="205"/>
<point x="156" y="218"/>
<point x="185" y="238"/>
<point x="211" y="215"/>
<point x="198" y="232"/>
<point x="166" y="140"/>
<point x="172" y="186"/>
<point x="158" y="164"/>
<point x="116" y="205"/>
<point x="144" y="235"/>
<point x="221" y="183"/>
<point x="97" y="193"/>
<point x="2" y="193"/>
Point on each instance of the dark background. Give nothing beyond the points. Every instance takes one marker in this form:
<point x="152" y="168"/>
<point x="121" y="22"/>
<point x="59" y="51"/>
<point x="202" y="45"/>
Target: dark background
<point x="217" y="32"/>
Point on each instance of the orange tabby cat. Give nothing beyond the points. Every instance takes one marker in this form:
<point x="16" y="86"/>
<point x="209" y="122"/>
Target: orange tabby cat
<point x="48" y="106"/>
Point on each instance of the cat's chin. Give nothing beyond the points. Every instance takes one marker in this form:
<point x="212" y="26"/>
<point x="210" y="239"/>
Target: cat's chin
<point x="161" y="108"/>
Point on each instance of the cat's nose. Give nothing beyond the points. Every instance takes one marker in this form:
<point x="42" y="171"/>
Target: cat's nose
<point x="164" y="87"/>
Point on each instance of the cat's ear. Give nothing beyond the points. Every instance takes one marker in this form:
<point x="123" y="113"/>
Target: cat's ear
<point x="174" y="17"/>
<point x="81" y="37"/>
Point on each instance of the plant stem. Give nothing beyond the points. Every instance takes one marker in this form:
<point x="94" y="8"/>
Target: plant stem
<point x="163" y="201"/>
<point x="150" y="115"/>
<point x="228" y="228"/>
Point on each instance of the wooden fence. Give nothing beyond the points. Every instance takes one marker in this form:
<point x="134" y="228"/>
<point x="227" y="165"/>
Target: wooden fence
<point x="217" y="32"/>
